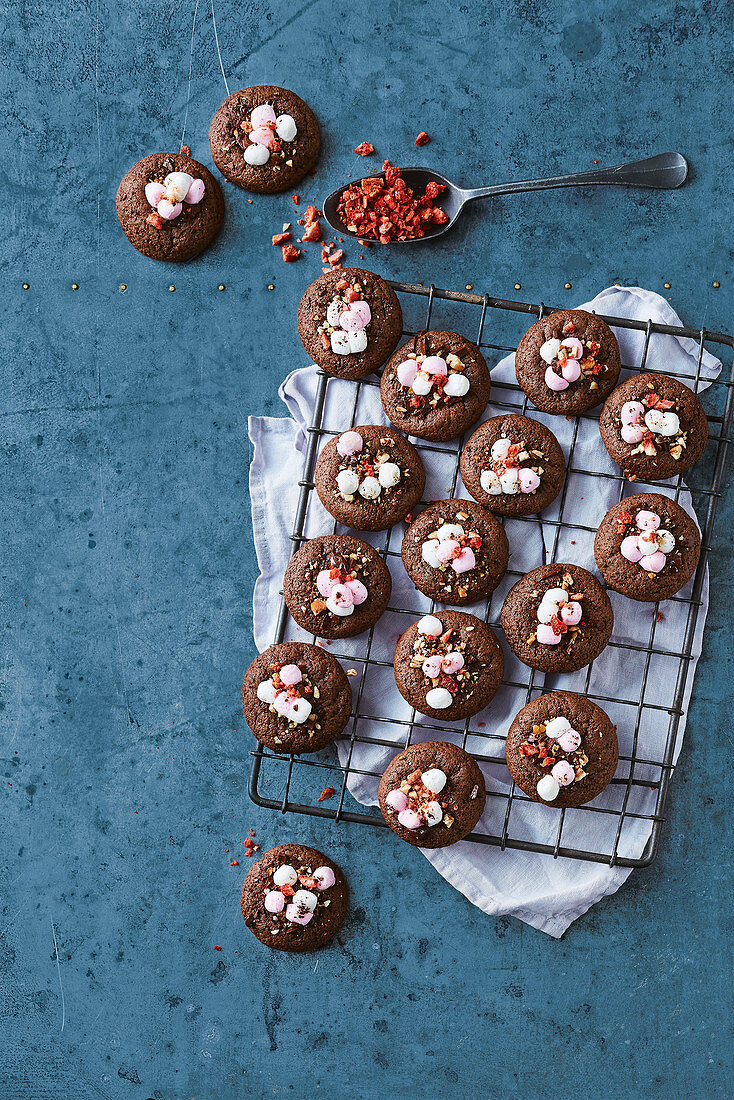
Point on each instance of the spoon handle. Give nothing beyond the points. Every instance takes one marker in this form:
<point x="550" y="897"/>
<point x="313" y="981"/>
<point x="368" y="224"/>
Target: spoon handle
<point x="667" y="170"/>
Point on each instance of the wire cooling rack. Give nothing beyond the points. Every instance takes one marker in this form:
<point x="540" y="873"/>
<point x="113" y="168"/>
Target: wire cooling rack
<point x="298" y="780"/>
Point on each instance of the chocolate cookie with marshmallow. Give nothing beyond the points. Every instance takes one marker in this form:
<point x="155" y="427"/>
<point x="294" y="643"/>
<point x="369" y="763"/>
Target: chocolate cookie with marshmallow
<point x="265" y="139"/>
<point x="336" y="586"/>
<point x="653" y="427"/>
<point x="513" y="465"/>
<point x="294" y="898"/>
<point x="432" y="794"/>
<point x="170" y="207"/>
<point x="568" y="362"/>
<point x="456" y="552"/>
<point x="647" y="547"/>
<point x="557" y="618"/>
<point x="562" y="749"/>
<point x="349" y="321"/>
<point x="448" y="665"/>
<point x="435" y="386"/>
<point x="296" y="698"/>
<point x="369" y="477"/>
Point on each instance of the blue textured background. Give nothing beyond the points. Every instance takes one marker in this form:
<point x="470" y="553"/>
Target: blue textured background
<point x="127" y="562"/>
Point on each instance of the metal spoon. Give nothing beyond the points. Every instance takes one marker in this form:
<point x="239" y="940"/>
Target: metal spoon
<point x="666" y="171"/>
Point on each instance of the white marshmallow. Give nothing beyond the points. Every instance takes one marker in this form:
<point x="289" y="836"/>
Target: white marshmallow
<point x="388" y="474"/>
<point x="439" y="698"/>
<point x="428" y="553"/>
<point x="370" y="488"/>
<point x="548" y="788"/>
<point x="347" y="482"/>
<point x="663" y="422"/>
<point x="556" y="727"/>
<point x="665" y="540"/>
<point x="457" y="386"/>
<point x="177" y="185"/>
<point x="334" y="312"/>
<point x="300" y="711"/>
<point x="339" y="341"/>
<point x="430" y="626"/>
<point x="549" y="350"/>
<point x="449" y="531"/>
<point x="432" y="813"/>
<point x="266" y="692"/>
<point x="510" y="481"/>
<point x="434" y="779"/>
<point x="285" y="875"/>
<point x="490" y="483"/>
<point x="357" y="341"/>
<point x="256" y="155"/>
<point x="499" y="450"/>
<point x="305" y="899"/>
<point x="285" y="127"/>
<point x="422" y="384"/>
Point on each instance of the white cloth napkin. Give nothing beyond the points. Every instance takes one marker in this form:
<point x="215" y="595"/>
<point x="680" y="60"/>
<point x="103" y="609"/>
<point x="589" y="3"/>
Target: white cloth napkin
<point x="544" y="892"/>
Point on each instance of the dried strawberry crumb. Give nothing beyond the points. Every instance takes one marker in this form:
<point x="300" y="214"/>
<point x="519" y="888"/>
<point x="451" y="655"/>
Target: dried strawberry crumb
<point x="155" y="220"/>
<point x="185" y="151"/>
<point x="234" y="863"/>
<point x="217" y="947"/>
<point x="290" y="254"/>
<point x="313" y="232"/>
<point x="296" y="199"/>
<point x="386" y="209"/>
<point x="422" y="138"/>
<point x="281" y="238"/>
<point x="364" y="149"/>
<point x="328" y="792"/>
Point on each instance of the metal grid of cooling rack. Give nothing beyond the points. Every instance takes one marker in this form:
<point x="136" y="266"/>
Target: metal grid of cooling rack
<point x="706" y="498"/>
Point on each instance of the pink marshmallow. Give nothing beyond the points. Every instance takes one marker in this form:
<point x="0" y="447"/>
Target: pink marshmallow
<point x="358" y="590"/>
<point x="452" y="662"/>
<point x="431" y="667"/>
<point x="575" y="347"/>
<point x="407" y="372"/>
<point x="546" y="635"/>
<point x="324" y="877"/>
<point x="397" y="800"/>
<point x="563" y="773"/>
<point x="653" y="563"/>
<point x="195" y="192"/>
<point x="350" y="321"/>
<point x="154" y="192"/>
<point x="571" y="613"/>
<point x="445" y="550"/>
<point x="632" y="433"/>
<point x="569" y="740"/>
<point x="261" y="135"/>
<point x="529" y="481"/>
<point x="363" y="311"/>
<point x="409" y="819"/>
<point x="262" y="115"/>
<point x="465" y="561"/>
<point x="290" y="674"/>
<point x="647" y="542"/>
<point x="169" y="210"/>
<point x="630" y="549"/>
<point x="632" y="411"/>
<point x="554" y="381"/>
<point x="434" y="364"/>
<point x="349" y="443"/>
<point x="647" y="521"/>
<point x="274" y="901"/>
<point x="341" y="596"/>
<point x="571" y="371"/>
<point x="283" y="705"/>
<point x="325" y="582"/>
<point x="295" y="917"/>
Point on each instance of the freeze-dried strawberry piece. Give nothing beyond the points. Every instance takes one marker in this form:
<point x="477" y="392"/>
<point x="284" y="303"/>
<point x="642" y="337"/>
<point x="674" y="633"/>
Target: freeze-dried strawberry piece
<point x="364" y="149"/>
<point x="290" y="253"/>
<point x="422" y="138"/>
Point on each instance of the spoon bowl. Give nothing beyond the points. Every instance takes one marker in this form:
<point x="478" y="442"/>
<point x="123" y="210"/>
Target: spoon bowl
<point x="663" y="172"/>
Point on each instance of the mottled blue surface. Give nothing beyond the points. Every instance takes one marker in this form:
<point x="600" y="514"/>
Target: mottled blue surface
<point x="127" y="561"/>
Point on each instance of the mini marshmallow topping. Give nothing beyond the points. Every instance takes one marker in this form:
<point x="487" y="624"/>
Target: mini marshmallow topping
<point x="416" y="801"/>
<point x="555" y="747"/>
<point x="505" y="474"/>
<point x="347" y="318"/>
<point x="648" y="543"/>
<point x="439" y="654"/>
<point x="431" y="379"/>
<point x="571" y="359"/>
<point x="167" y="198"/>
<point x="285" y="693"/>
<point x="341" y="590"/>
<point x="288" y="906"/>
<point x="362" y="471"/>
<point x="262" y="134"/>
<point x="451" y="546"/>
<point x="558" y="613"/>
<point x="650" y="425"/>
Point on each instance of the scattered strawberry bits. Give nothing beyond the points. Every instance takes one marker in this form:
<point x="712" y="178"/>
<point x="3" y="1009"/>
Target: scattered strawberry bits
<point x="328" y="792"/>
<point x="281" y="238"/>
<point x="290" y="253"/>
<point x="364" y="149"/>
<point x="422" y="138"/>
<point x="387" y="210"/>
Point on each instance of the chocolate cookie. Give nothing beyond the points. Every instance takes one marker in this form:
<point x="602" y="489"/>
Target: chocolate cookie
<point x="562" y="749"/>
<point x="456" y="552"/>
<point x="349" y="321"/>
<point x="568" y="362"/>
<point x="647" y="547"/>
<point x="170" y="207"/>
<point x="432" y="794"/>
<point x="294" y="898"/>
<point x="557" y="618"/>
<point x="448" y="665"/>
<point x="435" y="386"/>
<point x="296" y="698"/>
<point x="336" y="586"/>
<point x="369" y="477"/>
<point x="513" y="465"/>
<point x="264" y="139"/>
<point x="654" y="427"/>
